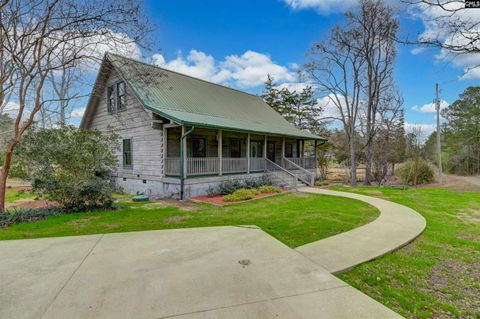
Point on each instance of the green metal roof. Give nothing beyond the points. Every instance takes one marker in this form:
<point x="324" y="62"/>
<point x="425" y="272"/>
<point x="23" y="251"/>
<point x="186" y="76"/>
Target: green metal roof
<point x="191" y="101"/>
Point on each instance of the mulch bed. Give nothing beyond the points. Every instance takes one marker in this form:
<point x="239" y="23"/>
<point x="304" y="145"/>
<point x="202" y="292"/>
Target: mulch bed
<point x="218" y="199"/>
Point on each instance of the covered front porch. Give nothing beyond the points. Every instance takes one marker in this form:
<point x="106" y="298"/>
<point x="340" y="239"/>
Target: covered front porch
<point x="211" y="152"/>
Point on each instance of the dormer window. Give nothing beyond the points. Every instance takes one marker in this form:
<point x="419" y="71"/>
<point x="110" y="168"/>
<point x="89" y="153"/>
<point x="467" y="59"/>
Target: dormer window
<point x="120" y="96"/>
<point x="116" y="97"/>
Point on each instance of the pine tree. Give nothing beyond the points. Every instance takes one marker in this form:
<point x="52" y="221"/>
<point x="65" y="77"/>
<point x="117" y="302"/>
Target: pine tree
<point x="271" y="95"/>
<point x="299" y="108"/>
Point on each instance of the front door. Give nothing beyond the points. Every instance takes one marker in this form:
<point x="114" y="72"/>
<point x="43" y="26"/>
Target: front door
<point x="271" y="151"/>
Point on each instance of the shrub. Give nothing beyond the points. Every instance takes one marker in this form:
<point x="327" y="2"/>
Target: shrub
<point x="415" y="173"/>
<point x="69" y="165"/>
<point x="321" y="183"/>
<point x="229" y="186"/>
<point x="212" y="191"/>
<point x="8" y="218"/>
<point x="269" y="189"/>
<point x="241" y="194"/>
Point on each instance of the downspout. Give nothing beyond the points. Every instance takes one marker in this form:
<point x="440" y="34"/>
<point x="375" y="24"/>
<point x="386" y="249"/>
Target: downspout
<point x="182" y="163"/>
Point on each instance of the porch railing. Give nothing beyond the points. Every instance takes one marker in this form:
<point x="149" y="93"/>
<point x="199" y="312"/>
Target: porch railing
<point x="197" y="166"/>
<point x="202" y="165"/>
<point x="281" y="174"/>
<point x="305" y="162"/>
<point x="303" y="174"/>
<point x="211" y="165"/>
<point x="234" y="165"/>
<point x="257" y="164"/>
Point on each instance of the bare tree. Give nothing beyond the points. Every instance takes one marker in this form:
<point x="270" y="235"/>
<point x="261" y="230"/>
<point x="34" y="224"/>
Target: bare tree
<point x="453" y="25"/>
<point x="388" y="145"/>
<point x="375" y="27"/>
<point x="335" y="67"/>
<point x="42" y="37"/>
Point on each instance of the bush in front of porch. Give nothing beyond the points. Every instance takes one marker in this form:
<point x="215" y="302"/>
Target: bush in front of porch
<point x="229" y="186"/>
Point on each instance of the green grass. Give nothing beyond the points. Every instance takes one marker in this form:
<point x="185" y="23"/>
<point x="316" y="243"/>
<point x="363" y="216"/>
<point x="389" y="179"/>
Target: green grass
<point x="12" y="195"/>
<point x="293" y="218"/>
<point x="438" y="275"/>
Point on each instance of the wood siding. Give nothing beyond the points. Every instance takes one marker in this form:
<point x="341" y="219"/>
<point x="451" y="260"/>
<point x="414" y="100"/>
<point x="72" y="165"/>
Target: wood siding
<point x="135" y="123"/>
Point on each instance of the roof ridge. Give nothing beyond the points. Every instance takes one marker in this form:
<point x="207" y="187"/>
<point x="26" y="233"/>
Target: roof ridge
<point x="183" y="74"/>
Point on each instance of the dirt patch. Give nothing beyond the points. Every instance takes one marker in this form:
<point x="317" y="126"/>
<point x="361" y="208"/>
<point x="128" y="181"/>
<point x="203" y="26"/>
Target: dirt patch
<point x="218" y="199"/>
<point x="82" y="222"/>
<point x="15" y="182"/>
<point x="31" y="203"/>
<point x="453" y="278"/>
<point x="460" y="183"/>
<point x="174" y="219"/>
<point x="468" y="236"/>
<point x="470" y="215"/>
<point x="21" y="188"/>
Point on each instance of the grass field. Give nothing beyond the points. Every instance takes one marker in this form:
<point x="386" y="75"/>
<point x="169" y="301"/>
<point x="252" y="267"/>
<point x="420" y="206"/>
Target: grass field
<point x="293" y="218"/>
<point x="438" y="275"/>
<point x="13" y="195"/>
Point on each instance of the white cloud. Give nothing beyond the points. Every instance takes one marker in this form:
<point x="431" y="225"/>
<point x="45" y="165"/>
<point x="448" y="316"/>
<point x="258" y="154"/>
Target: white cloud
<point x="417" y="50"/>
<point x="330" y="109"/>
<point x="96" y="47"/>
<point x="78" y="112"/>
<point x="294" y="86"/>
<point x="247" y="70"/>
<point x="425" y="129"/>
<point x="11" y="108"/>
<point x="436" y="22"/>
<point x="330" y="6"/>
<point x="430" y="107"/>
<point x="322" y="6"/>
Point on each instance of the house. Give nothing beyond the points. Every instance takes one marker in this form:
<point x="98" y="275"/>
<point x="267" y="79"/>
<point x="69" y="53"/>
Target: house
<point x="180" y="135"/>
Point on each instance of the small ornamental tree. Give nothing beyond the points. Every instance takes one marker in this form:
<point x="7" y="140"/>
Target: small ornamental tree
<point x="68" y="165"/>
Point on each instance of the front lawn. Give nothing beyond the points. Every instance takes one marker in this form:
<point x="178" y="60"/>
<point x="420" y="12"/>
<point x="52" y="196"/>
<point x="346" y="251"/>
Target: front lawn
<point x="293" y="218"/>
<point x="438" y="275"/>
<point x="13" y="195"/>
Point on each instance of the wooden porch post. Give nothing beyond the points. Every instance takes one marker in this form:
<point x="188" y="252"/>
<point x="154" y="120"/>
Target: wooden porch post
<point x="184" y="152"/>
<point x="303" y="154"/>
<point x="315" y="155"/>
<point x="248" y="153"/>
<point x="265" y="147"/>
<point x="283" y="147"/>
<point x="220" y="152"/>
<point x="165" y="142"/>
<point x="265" y="151"/>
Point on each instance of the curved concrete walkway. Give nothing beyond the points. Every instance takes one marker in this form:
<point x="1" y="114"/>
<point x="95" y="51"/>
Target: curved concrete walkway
<point x="396" y="226"/>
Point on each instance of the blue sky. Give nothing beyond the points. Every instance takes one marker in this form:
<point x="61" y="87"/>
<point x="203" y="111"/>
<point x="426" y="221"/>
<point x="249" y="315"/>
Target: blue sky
<point x="237" y="43"/>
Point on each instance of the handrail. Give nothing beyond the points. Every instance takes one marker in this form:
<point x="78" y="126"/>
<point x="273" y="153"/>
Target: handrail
<point x="295" y="177"/>
<point x="305" y="171"/>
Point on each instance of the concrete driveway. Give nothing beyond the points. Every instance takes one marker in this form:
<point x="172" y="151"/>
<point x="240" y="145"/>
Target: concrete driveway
<point x="218" y="272"/>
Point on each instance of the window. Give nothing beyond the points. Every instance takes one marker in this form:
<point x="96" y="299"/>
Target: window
<point x="289" y="150"/>
<point x="116" y="97"/>
<point x="256" y="149"/>
<point x="127" y="153"/>
<point x="198" y="147"/>
<point x="235" y="147"/>
<point x="120" y="96"/>
<point x="110" y="99"/>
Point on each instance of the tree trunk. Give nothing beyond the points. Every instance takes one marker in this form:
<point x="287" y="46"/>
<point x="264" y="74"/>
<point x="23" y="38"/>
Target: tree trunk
<point x="353" y="163"/>
<point x="3" y="176"/>
<point x="368" y="165"/>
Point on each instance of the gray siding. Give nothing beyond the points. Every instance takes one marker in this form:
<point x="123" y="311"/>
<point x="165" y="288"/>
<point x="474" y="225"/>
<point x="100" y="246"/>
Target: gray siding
<point x="136" y="123"/>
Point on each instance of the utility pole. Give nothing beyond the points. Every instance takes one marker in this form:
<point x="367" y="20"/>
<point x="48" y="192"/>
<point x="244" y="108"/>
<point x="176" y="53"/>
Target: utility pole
<point x="439" y="143"/>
